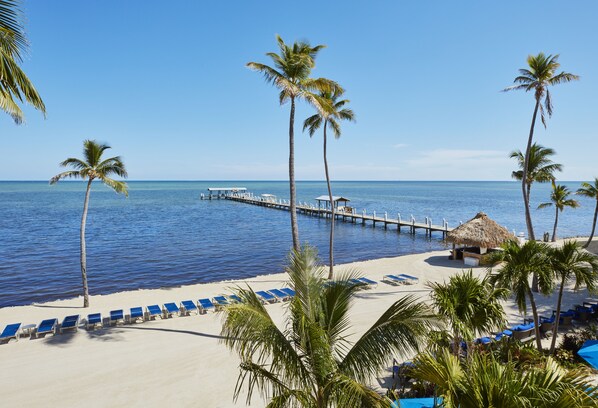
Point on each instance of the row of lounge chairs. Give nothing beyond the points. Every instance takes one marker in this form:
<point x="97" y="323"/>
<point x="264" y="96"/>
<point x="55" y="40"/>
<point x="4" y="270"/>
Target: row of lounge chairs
<point x="400" y="279"/>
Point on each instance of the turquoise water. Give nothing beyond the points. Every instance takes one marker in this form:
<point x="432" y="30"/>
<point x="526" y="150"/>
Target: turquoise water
<point x="163" y="235"/>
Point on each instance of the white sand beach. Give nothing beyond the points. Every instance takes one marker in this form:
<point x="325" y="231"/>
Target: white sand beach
<point x="180" y="361"/>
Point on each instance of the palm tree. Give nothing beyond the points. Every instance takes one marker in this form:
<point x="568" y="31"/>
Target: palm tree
<point x="92" y="167"/>
<point x="559" y="197"/>
<point x="540" y="167"/>
<point x="291" y="75"/>
<point x="537" y="77"/>
<point x="311" y="363"/>
<point x="590" y="191"/>
<point x="484" y="381"/>
<point x="14" y="84"/>
<point x="332" y="111"/>
<point x="470" y="304"/>
<point x="517" y="265"/>
<point x="570" y="263"/>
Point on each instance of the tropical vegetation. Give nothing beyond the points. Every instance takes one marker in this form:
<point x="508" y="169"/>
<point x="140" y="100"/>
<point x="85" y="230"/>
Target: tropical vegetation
<point x="291" y="75"/>
<point x="312" y="362"/>
<point x="15" y="86"/>
<point x="331" y="112"/>
<point x="540" y="167"/>
<point x="538" y="76"/>
<point x="560" y="199"/>
<point x="590" y="191"/>
<point x="93" y="166"/>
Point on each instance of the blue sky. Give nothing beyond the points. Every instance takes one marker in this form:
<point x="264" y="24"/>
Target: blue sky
<point x="165" y="84"/>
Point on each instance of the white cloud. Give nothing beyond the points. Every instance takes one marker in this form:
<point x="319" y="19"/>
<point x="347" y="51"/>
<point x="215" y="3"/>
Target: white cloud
<point x="399" y="145"/>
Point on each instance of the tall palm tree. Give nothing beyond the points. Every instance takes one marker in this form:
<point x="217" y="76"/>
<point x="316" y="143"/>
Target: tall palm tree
<point x="14" y="84"/>
<point x="559" y="197"/>
<point x="332" y="111"/>
<point x="590" y="191"/>
<point x="92" y="167"/>
<point x="312" y="363"/>
<point x="540" y="167"/>
<point x="470" y="304"/>
<point x="517" y="265"/>
<point x="484" y="381"/>
<point x="537" y="77"/>
<point x="292" y="76"/>
<point x="571" y="263"/>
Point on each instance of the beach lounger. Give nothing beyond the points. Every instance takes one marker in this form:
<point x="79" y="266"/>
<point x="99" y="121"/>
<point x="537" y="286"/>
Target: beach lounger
<point x="279" y="294"/>
<point x="205" y="305"/>
<point x="356" y="282"/>
<point x="136" y="314"/>
<point x="93" y="320"/>
<point x="154" y="311"/>
<point x="546" y="325"/>
<point x="410" y="279"/>
<point x="117" y="316"/>
<point x="266" y="297"/>
<point x="235" y="298"/>
<point x="170" y="309"/>
<point x="394" y="280"/>
<point x="289" y="292"/>
<point x="582" y="313"/>
<point x="370" y="283"/>
<point x="10" y="331"/>
<point x="188" y="306"/>
<point x="524" y="332"/>
<point x="47" y="326"/>
<point x="220" y="302"/>
<point x="70" y="323"/>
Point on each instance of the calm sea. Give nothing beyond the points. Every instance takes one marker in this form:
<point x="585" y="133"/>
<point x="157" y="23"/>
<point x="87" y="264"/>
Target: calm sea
<point x="164" y="235"/>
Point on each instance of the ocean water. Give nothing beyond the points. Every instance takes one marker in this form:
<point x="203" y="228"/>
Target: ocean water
<point x="163" y="235"/>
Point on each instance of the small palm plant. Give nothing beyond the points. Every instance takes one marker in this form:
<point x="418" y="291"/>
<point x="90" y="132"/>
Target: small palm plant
<point x="331" y="112"/>
<point x="571" y="263"/>
<point x="312" y="363"/>
<point x="92" y="167"/>
<point x="538" y="76"/>
<point x="559" y="197"/>
<point x="470" y="305"/>
<point x="516" y="264"/>
<point x="590" y="191"/>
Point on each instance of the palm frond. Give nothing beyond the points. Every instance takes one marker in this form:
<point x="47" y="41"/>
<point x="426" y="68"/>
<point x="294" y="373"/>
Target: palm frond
<point x="65" y="174"/>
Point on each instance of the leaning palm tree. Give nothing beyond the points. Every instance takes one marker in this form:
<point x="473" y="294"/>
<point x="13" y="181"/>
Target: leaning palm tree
<point x="92" y="167"/>
<point x="590" y="191"/>
<point x="470" y="305"/>
<point x="331" y="112"/>
<point x="517" y="263"/>
<point x="484" y="381"/>
<point x="571" y="263"/>
<point x="540" y="168"/>
<point x="14" y="85"/>
<point x="559" y="197"/>
<point x="312" y="363"/>
<point x="292" y="76"/>
<point x="537" y="77"/>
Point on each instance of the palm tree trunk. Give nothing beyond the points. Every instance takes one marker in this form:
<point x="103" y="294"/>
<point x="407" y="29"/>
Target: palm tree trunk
<point x="83" y="251"/>
<point x="593" y="226"/>
<point x="331" y="243"/>
<point x="294" y="227"/>
<point x="555" y="328"/>
<point x="532" y="302"/>
<point x="556" y="221"/>
<point x="528" y="217"/>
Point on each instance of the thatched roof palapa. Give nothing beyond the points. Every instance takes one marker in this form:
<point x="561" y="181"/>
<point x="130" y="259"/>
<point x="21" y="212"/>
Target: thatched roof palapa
<point x="481" y="232"/>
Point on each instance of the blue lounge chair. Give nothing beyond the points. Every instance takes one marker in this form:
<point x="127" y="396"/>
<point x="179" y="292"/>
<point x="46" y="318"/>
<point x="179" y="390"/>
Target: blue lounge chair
<point x="410" y="279"/>
<point x="369" y="282"/>
<point x="394" y="280"/>
<point x="289" y="291"/>
<point x="205" y="305"/>
<point x="117" y="316"/>
<point x="235" y="298"/>
<point x="154" y="311"/>
<point x="188" y="306"/>
<point x="357" y="282"/>
<point x="220" y="301"/>
<point x="266" y="297"/>
<point x="70" y="323"/>
<point x="136" y="314"/>
<point x="10" y="331"/>
<point x="93" y="320"/>
<point x="170" y="309"/>
<point x="47" y="326"/>
<point x="279" y="294"/>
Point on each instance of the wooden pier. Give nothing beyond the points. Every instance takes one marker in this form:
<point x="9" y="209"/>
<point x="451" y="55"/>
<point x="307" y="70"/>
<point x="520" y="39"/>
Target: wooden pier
<point x="347" y="216"/>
